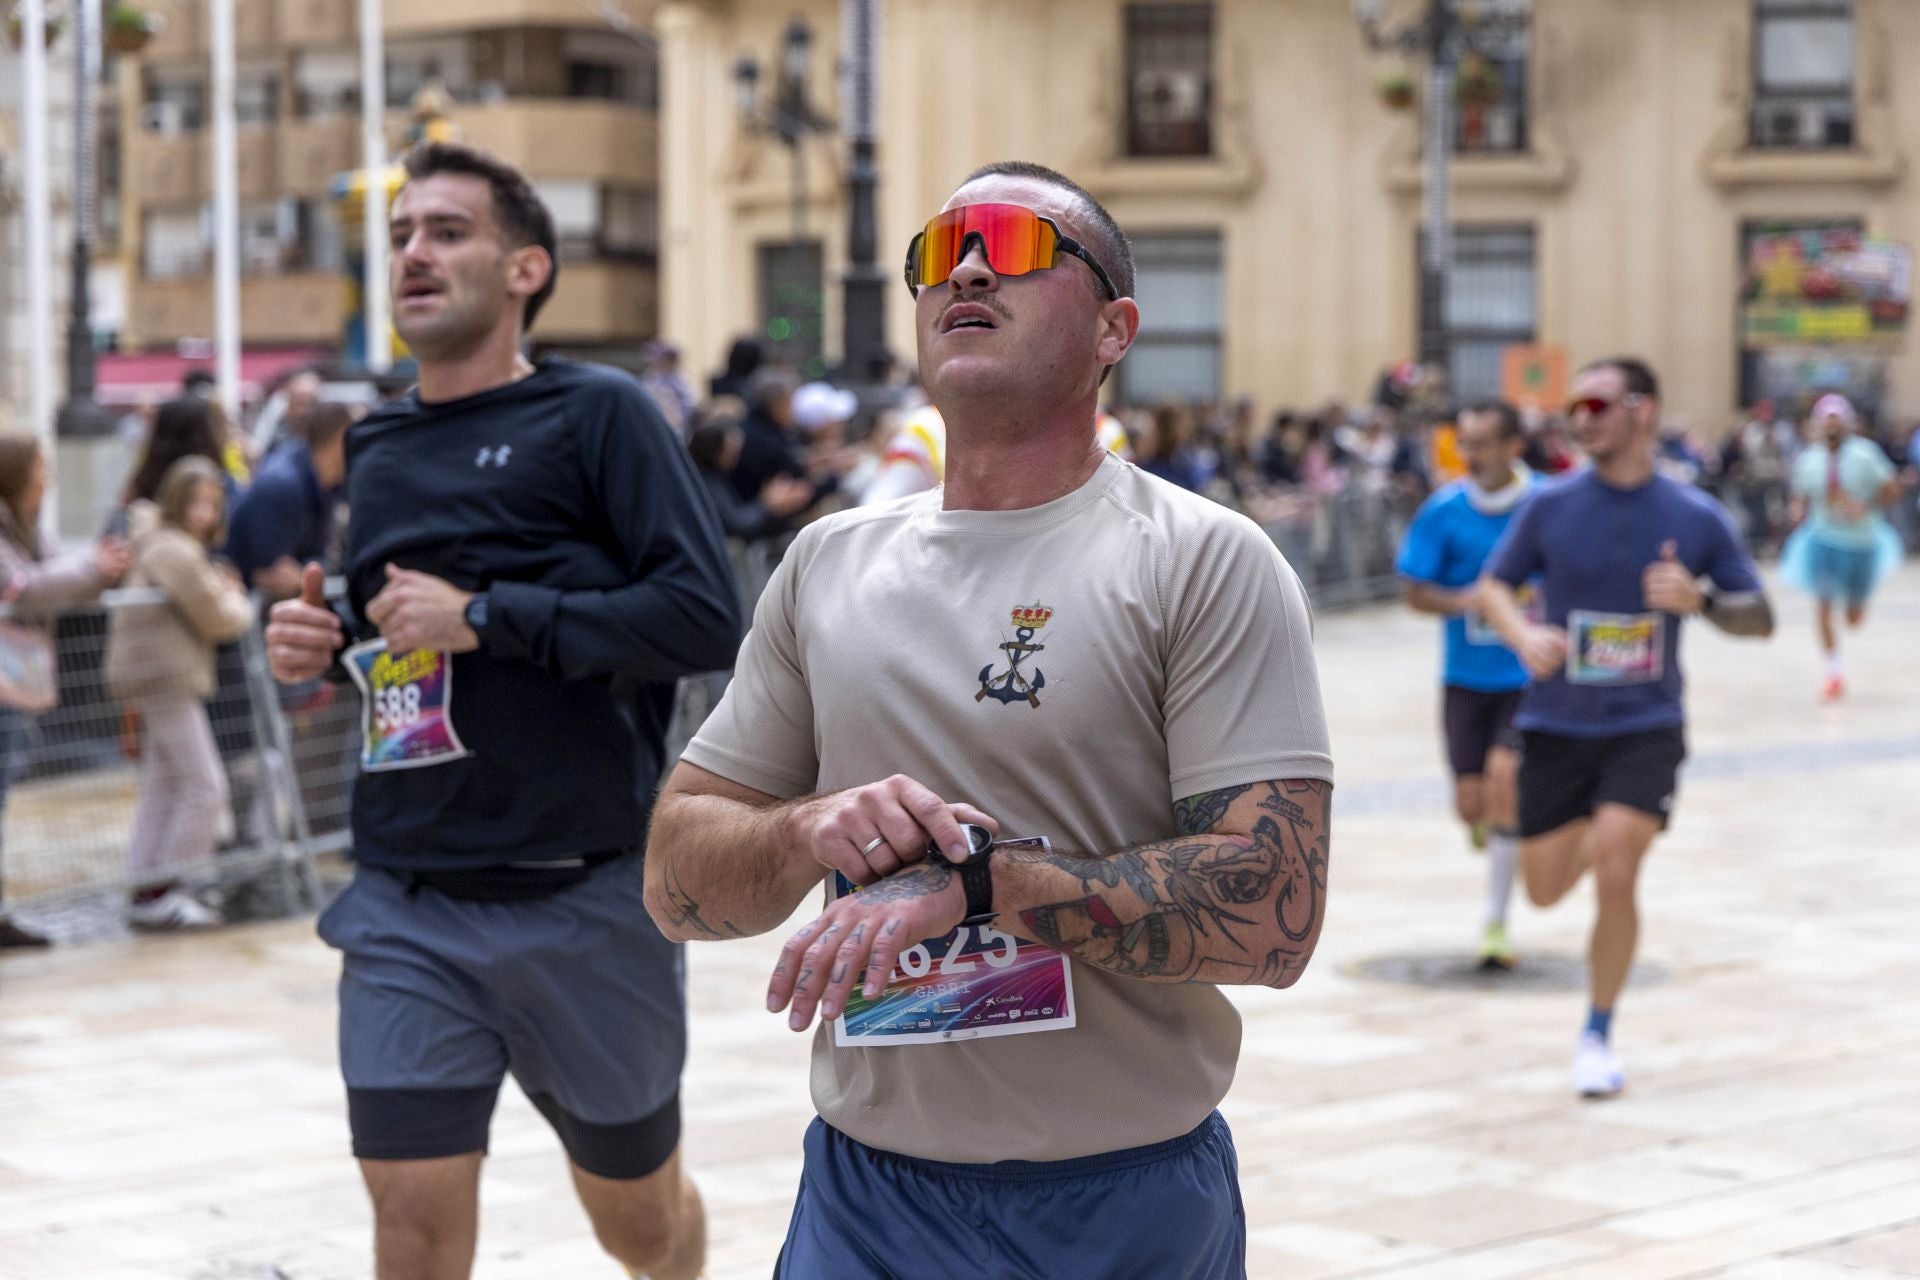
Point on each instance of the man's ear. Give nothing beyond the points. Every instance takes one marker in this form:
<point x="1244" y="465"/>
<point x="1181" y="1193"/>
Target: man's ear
<point x="1650" y="413"/>
<point x="529" y="268"/>
<point x="1120" y="325"/>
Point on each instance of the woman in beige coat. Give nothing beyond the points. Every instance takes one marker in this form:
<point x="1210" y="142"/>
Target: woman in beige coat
<point x="160" y="659"/>
<point x="35" y="583"/>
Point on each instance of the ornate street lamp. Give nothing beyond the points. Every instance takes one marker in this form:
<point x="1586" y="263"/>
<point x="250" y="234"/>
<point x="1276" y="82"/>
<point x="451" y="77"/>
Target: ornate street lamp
<point x="788" y="114"/>
<point x="1443" y="34"/>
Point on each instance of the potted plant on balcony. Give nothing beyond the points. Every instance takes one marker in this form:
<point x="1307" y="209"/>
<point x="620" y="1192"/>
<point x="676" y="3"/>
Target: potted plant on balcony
<point x="1396" y="89"/>
<point x="17" y="27"/>
<point x="129" y="27"/>
<point x="1478" y="87"/>
<point x="1478" y="83"/>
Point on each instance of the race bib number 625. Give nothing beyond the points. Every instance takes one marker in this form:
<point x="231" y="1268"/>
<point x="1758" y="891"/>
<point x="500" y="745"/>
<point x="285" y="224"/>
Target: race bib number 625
<point x="975" y="981"/>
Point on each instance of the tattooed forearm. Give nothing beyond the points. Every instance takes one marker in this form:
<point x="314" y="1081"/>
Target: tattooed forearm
<point x="684" y="913"/>
<point x="1242" y="903"/>
<point x="1203" y="812"/>
<point x="916" y="881"/>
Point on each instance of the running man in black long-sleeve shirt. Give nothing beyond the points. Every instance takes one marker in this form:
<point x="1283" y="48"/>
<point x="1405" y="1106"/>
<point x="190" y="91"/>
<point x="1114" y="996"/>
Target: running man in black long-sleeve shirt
<point x="532" y="564"/>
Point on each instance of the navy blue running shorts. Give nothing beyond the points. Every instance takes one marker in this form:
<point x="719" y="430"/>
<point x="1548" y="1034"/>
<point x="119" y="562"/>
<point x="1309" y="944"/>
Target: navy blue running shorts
<point x="1170" y="1211"/>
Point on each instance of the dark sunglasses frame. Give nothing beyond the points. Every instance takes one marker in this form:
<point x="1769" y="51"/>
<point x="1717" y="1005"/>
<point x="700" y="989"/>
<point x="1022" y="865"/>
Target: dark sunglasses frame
<point x="1063" y="243"/>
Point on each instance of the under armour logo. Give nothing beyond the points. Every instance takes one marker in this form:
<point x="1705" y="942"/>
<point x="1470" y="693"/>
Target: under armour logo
<point x="497" y="455"/>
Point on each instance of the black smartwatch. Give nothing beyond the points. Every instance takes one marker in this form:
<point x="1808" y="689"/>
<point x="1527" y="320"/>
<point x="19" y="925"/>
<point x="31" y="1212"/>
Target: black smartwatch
<point x="475" y="614"/>
<point x="976" y="873"/>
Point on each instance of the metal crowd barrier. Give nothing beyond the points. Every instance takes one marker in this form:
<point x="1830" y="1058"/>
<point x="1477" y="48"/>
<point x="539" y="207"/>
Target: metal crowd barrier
<point x="289" y="752"/>
<point x="1342" y="545"/>
<point x="74" y="770"/>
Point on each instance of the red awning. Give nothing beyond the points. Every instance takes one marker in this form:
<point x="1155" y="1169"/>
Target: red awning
<point x="149" y="378"/>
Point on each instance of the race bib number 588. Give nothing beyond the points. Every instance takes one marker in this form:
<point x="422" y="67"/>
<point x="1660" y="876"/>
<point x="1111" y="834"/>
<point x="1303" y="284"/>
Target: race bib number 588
<point x="407" y="718"/>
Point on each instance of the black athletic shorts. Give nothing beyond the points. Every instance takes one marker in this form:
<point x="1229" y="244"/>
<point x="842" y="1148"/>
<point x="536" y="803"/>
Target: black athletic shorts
<point x="1476" y="722"/>
<point x="1564" y="779"/>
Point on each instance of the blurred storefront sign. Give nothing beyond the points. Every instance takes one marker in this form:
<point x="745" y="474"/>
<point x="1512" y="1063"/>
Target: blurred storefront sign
<point x="1534" y="378"/>
<point x="1827" y="286"/>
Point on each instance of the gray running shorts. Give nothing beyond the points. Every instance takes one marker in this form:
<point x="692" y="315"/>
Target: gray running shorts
<point x="577" y="994"/>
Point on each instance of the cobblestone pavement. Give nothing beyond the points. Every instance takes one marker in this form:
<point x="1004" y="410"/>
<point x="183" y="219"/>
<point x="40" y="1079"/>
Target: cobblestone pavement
<point x="169" y="1108"/>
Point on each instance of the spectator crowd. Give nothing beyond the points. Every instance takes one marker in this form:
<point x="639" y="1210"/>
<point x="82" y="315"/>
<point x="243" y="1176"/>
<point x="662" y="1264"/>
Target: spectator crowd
<point x="215" y="508"/>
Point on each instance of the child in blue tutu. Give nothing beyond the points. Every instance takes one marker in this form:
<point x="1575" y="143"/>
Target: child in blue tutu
<point x="1843" y="547"/>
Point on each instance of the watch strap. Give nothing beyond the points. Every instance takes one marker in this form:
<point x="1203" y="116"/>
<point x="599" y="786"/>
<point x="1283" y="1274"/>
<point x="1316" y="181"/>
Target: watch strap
<point x="976" y="878"/>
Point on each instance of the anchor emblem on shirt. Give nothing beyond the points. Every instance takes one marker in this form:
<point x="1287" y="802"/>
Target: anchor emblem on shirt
<point x="1011" y="686"/>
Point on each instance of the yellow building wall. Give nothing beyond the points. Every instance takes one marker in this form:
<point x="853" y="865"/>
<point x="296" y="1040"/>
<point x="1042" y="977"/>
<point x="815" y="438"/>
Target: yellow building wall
<point x="1637" y="184"/>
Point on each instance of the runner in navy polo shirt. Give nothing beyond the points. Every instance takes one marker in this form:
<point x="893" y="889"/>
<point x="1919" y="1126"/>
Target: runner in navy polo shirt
<point x="1623" y="554"/>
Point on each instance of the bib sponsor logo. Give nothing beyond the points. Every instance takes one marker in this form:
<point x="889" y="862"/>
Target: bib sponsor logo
<point x="1615" y="648"/>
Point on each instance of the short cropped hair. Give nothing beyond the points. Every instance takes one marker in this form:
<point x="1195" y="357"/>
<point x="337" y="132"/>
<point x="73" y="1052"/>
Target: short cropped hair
<point x="1505" y="416"/>
<point x="1104" y="238"/>
<point x="523" y="216"/>
<point x="1635" y="372"/>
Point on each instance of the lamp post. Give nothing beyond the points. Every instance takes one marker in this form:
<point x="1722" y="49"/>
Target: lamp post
<point x="38" y="202"/>
<point x="80" y="415"/>
<point x="864" y="312"/>
<point x="375" y="304"/>
<point x="787" y="114"/>
<point x="1442" y="34"/>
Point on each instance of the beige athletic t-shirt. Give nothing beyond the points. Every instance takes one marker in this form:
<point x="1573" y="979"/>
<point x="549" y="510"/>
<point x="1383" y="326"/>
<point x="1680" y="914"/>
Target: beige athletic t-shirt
<point x="1073" y="669"/>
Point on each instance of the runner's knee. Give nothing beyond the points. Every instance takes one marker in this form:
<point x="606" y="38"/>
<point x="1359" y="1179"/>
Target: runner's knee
<point x="1546" y="876"/>
<point x="637" y="1220"/>
<point x="1470" y="799"/>
<point x="431" y="1201"/>
<point x="639" y="1241"/>
<point x="1543" y="890"/>
<point x="1615" y="872"/>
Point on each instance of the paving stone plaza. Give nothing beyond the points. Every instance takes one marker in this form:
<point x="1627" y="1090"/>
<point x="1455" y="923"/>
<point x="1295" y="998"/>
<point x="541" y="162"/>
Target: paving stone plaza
<point x="170" y="1110"/>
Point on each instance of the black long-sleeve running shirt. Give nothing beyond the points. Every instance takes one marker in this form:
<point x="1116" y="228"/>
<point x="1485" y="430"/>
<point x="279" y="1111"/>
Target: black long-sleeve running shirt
<point x="566" y="498"/>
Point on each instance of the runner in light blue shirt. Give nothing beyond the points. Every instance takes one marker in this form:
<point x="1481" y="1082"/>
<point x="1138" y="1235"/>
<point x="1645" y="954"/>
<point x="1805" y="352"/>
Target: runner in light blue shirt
<point x="1440" y="562"/>
<point x="1844" y="547"/>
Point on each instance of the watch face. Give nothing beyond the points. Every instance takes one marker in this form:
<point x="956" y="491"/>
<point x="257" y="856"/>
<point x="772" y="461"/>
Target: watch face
<point x="979" y="840"/>
<point x="979" y="844"/>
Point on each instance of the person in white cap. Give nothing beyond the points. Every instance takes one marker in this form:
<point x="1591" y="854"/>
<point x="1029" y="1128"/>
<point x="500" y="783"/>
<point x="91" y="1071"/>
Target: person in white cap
<point x="1843" y="547"/>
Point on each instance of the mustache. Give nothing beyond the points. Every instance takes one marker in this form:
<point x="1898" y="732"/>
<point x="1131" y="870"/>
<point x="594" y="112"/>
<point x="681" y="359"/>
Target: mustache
<point x="986" y="300"/>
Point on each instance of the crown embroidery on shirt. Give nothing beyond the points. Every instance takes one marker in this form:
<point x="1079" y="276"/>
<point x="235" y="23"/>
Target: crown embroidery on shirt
<point x="1011" y="686"/>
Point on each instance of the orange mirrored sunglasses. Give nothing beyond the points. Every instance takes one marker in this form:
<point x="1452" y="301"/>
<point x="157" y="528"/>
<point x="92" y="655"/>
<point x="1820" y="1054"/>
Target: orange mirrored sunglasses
<point x="1015" y="239"/>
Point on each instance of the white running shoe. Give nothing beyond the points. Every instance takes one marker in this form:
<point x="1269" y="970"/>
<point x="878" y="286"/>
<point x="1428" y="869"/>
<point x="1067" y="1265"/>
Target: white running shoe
<point x="1596" y="1068"/>
<point x="174" y="909"/>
